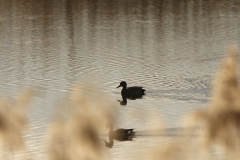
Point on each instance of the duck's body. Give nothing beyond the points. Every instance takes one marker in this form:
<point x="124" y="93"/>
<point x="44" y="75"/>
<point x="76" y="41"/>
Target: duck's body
<point x="120" y="134"/>
<point x="131" y="92"/>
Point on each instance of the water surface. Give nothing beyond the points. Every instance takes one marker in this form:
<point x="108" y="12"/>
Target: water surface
<point x="172" y="48"/>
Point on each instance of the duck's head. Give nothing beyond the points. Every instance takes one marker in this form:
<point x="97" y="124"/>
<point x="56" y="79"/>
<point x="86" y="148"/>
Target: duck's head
<point x="122" y="84"/>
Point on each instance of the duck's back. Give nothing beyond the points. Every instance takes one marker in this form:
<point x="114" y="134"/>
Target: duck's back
<point x="133" y="92"/>
<point x="137" y="88"/>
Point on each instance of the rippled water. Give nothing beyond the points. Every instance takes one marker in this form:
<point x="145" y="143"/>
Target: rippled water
<point x="172" y="48"/>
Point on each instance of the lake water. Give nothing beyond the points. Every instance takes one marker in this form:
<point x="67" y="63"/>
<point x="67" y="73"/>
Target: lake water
<point x="171" y="47"/>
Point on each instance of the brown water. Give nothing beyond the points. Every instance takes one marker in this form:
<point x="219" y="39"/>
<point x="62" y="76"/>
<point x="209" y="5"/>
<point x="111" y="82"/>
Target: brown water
<point x="172" y="48"/>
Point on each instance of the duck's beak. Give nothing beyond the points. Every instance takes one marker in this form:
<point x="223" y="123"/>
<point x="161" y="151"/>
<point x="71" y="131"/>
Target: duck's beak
<point x="119" y="86"/>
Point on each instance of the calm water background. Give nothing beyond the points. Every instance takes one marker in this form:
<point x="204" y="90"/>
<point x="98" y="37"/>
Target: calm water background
<point x="171" y="47"/>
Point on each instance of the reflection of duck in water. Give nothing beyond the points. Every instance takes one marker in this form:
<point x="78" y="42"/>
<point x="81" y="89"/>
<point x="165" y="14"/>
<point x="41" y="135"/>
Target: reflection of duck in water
<point x="119" y="134"/>
<point x="124" y="100"/>
<point x="109" y="144"/>
<point x="131" y="92"/>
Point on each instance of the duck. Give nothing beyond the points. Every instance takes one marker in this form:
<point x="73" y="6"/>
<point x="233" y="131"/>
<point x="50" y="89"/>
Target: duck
<point x="131" y="92"/>
<point x="120" y="134"/>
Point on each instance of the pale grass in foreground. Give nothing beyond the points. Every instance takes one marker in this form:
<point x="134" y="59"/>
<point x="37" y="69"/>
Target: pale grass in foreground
<point x="214" y="130"/>
<point x="220" y="121"/>
<point x="13" y="121"/>
<point x="76" y="136"/>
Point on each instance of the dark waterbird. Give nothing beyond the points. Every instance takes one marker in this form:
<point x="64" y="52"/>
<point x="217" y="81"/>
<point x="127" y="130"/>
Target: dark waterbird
<point x="119" y="134"/>
<point x="131" y="92"/>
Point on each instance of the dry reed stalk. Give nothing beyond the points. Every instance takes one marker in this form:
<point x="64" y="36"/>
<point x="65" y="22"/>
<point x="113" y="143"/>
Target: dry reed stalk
<point x="220" y="121"/>
<point x="77" y="136"/>
<point x="13" y="120"/>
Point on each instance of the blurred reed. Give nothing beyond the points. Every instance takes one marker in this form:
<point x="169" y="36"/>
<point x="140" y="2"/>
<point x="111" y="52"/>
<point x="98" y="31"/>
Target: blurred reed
<point x="76" y="136"/>
<point x="13" y="121"/>
<point x="214" y="129"/>
<point x="220" y="120"/>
